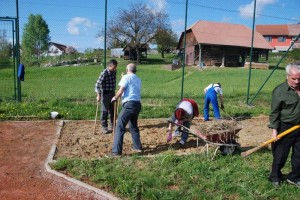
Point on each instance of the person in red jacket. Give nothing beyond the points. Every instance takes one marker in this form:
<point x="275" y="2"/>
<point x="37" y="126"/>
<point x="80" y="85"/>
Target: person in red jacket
<point x="184" y="113"/>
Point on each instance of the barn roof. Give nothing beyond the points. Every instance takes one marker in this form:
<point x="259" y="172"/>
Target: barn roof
<point x="217" y="33"/>
<point x="279" y="29"/>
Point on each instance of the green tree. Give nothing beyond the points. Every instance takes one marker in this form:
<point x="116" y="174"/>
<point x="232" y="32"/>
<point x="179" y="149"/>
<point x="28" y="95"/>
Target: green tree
<point x="137" y="24"/>
<point x="35" y="39"/>
<point x="5" y="46"/>
<point x="166" y="40"/>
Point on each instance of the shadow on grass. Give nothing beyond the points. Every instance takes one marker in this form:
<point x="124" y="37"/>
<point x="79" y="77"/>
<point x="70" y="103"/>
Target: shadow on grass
<point x="278" y="68"/>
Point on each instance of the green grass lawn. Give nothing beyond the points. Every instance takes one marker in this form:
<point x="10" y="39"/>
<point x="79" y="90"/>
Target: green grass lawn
<point x="70" y="90"/>
<point x="183" y="177"/>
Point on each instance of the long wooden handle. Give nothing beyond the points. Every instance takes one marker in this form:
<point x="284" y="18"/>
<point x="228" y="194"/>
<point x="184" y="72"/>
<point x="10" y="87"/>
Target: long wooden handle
<point x="115" y="116"/>
<point x="96" y="117"/>
<point x="250" y="151"/>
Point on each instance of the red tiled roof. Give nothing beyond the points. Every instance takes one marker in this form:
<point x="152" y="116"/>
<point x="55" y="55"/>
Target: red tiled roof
<point x="294" y="29"/>
<point x="217" y="33"/>
<point x="279" y="29"/>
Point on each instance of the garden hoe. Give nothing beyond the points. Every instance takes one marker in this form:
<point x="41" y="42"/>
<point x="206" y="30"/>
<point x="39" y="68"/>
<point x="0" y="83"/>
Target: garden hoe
<point x="115" y="117"/>
<point x="227" y="114"/>
<point x="247" y="153"/>
<point x="96" y="117"/>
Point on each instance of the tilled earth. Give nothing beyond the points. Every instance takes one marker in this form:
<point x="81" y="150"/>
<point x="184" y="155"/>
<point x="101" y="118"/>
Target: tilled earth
<point x="78" y="140"/>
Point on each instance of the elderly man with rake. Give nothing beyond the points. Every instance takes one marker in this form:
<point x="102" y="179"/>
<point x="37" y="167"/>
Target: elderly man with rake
<point x="285" y="114"/>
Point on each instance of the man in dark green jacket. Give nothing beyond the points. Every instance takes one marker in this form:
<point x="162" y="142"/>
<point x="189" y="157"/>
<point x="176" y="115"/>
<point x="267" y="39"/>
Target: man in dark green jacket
<point x="285" y="113"/>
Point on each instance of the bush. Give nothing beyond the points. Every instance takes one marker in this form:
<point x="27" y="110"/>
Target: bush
<point x="294" y="55"/>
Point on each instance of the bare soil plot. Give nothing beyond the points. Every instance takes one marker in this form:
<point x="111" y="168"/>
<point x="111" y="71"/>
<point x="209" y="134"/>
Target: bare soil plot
<point x="79" y="141"/>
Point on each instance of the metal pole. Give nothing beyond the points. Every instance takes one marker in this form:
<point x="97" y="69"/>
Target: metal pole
<point x="18" y="50"/>
<point x="14" y="59"/>
<point x="105" y="26"/>
<point x="184" y="47"/>
<point x="251" y="51"/>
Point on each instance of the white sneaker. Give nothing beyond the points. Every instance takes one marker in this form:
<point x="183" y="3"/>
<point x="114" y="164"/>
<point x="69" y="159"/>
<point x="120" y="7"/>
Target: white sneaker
<point x="176" y="133"/>
<point x="182" y="142"/>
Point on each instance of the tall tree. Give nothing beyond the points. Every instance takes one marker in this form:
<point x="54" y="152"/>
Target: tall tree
<point x="35" y="39"/>
<point x="5" y="46"/>
<point x="166" y="39"/>
<point x="137" y="24"/>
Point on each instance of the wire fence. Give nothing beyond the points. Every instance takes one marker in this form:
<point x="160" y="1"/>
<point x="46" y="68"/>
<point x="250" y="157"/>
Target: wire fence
<point x="78" y="24"/>
<point x="7" y="64"/>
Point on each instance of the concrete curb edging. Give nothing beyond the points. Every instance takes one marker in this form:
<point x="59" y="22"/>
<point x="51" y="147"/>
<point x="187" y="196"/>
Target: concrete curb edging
<point x="75" y="181"/>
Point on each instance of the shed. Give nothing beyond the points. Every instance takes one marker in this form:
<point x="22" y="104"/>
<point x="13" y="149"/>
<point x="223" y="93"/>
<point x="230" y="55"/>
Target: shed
<point x="221" y="44"/>
<point x="130" y="51"/>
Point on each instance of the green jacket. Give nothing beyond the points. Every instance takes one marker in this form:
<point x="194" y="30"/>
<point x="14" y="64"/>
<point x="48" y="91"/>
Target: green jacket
<point x="285" y="106"/>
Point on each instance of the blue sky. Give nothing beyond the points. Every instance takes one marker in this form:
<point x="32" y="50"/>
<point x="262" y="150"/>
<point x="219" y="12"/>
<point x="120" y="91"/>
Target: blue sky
<point x="77" y="22"/>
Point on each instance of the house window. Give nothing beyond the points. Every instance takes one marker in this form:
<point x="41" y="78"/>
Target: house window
<point x="268" y="38"/>
<point x="281" y="39"/>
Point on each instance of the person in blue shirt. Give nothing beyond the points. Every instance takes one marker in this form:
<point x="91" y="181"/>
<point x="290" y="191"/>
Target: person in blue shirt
<point x="211" y="96"/>
<point x="130" y="90"/>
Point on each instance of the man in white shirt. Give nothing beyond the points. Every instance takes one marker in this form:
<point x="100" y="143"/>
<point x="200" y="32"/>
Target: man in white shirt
<point x="130" y="90"/>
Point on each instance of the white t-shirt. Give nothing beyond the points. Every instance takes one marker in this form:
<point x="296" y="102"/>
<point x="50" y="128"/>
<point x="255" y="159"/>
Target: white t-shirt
<point x="217" y="88"/>
<point x="188" y="107"/>
<point x="132" y="85"/>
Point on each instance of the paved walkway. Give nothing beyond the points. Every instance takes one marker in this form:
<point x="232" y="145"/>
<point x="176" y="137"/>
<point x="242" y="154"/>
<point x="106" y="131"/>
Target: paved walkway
<point x="24" y="147"/>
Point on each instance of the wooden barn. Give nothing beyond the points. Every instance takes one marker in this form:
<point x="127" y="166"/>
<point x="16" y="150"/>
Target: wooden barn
<point x="221" y="44"/>
<point x="130" y="51"/>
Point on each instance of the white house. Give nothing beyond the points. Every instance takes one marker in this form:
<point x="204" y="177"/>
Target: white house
<point x="117" y="52"/>
<point x="55" y="49"/>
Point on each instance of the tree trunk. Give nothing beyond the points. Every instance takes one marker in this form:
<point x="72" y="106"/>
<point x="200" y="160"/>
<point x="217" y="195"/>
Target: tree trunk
<point x="138" y="54"/>
<point x="162" y="53"/>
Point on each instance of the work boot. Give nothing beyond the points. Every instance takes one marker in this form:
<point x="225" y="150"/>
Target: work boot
<point x="111" y="127"/>
<point x="104" y="130"/>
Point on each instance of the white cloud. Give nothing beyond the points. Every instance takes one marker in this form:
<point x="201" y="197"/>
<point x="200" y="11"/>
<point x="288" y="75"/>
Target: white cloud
<point x="246" y="11"/>
<point x="159" y="5"/>
<point x="76" y="22"/>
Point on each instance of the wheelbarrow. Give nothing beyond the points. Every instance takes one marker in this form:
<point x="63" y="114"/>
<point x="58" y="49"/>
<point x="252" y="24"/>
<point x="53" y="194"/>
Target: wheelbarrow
<point x="225" y="141"/>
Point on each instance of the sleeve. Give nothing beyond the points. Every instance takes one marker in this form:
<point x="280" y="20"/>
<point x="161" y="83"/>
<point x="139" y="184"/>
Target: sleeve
<point x="123" y="82"/>
<point x="209" y="86"/>
<point x="276" y="107"/>
<point x="98" y="85"/>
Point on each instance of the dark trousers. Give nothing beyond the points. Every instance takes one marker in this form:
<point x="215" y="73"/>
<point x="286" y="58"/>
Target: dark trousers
<point x="129" y="114"/>
<point x="107" y="107"/>
<point x="281" y="149"/>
